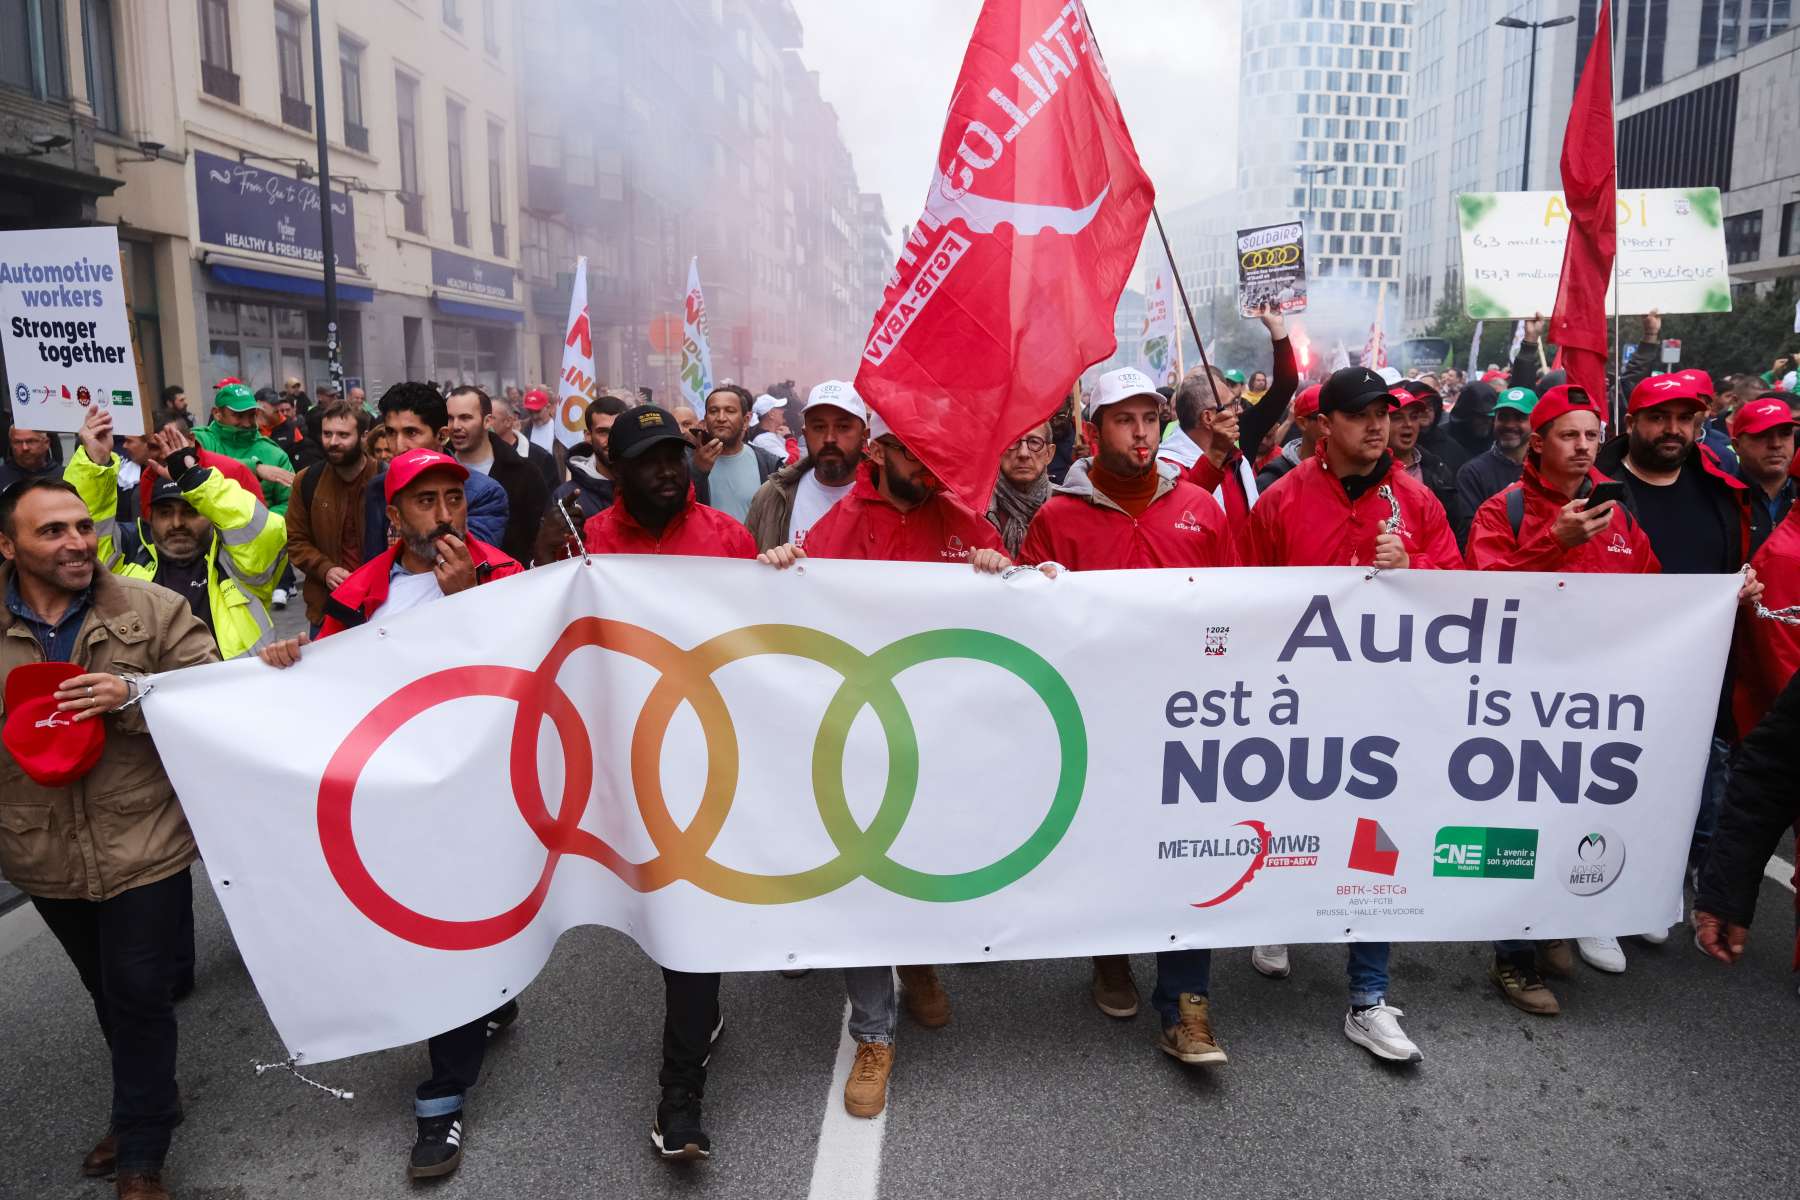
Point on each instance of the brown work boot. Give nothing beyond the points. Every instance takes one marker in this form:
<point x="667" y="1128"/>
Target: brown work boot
<point x="1115" y="994"/>
<point x="141" y="1185"/>
<point x="1190" y="1039"/>
<point x="924" y="995"/>
<point x="1523" y="988"/>
<point x="865" y="1092"/>
<point x="1556" y="959"/>
<point x="101" y="1160"/>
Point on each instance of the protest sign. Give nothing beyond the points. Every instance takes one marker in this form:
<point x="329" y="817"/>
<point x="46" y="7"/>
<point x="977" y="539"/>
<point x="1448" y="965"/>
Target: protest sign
<point x="1671" y="252"/>
<point x="1272" y="268"/>
<point x="1159" y="347"/>
<point x="65" y="329"/>
<point x="696" y="355"/>
<point x="576" y="386"/>
<point x="775" y="772"/>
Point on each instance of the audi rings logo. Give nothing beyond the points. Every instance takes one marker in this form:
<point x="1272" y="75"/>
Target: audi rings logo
<point x="1271" y="256"/>
<point x="687" y="677"/>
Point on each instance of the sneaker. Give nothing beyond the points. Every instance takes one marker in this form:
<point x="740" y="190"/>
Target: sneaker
<point x="1555" y="959"/>
<point x="1656" y="937"/>
<point x="1603" y="954"/>
<point x="502" y="1019"/>
<point x="1190" y="1039"/>
<point x="438" y="1149"/>
<point x="677" y="1133"/>
<point x="925" y="997"/>
<point x="278" y="600"/>
<point x="1115" y="992"/>
<point x="1270" y="960"/>
<point x="1523" y="988"/>
<point x="1377" y="1030"/>
<point x="865" y="1092"/>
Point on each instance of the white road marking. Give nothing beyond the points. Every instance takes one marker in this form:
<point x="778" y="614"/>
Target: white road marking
<point x="1781" y="871"/>
<point x="848" y="1166"/>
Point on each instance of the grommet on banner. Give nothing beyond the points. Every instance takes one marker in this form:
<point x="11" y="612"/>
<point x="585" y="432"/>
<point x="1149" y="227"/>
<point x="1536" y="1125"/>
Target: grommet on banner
<point x="288" y="1066"/>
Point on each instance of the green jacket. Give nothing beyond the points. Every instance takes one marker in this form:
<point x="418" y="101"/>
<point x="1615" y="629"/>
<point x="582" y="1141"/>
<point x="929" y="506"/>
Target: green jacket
<point x="253" y="450"/>
<point x="245" y="559"/>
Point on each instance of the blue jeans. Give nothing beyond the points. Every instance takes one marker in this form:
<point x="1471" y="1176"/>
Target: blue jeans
<point x="1367" y="967"/>
<point x="1518" y="951"/>
<point x="1712" y="795"/>
<point x="874" y="1003"/>
<point x="1179" y="971"/>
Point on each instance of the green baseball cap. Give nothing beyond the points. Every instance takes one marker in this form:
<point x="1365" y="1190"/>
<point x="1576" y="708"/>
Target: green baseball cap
<point x="235" y="396"/>
<point x="1520" y="400"/>
<point x="1235" y="375"/>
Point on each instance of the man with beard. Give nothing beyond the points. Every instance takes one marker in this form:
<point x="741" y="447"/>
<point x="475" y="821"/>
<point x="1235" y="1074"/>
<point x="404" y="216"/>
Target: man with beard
<point x="325" y="514"/>
<point x="209" y="541"/>
<point x="1410" y="420"/>
<point x="733" y="468"/>
<point x="415" y="417"/>
<point x="1023" y="485"/>
<point x="432" y="557"/>
<point x="654" y="512"/>
<point x="29" y="456"/>
<point x="835" y="425"/>
<point x="94" y="833"/>
<point x="1499" y="466"/>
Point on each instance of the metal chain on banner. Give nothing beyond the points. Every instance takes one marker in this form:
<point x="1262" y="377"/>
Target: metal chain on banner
<point x="569" y="523"/>
<point x="1393" y="524"/>
<point x="288" y="1066"/>
<point x="1787" y="616"/>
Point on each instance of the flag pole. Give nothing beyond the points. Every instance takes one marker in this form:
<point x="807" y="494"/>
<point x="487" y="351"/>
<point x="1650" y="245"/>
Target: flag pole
<point x="1181" y="290"/>
<point x="1618" y="295"/>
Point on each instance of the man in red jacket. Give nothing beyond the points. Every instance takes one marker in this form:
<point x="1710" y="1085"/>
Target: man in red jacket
<point x="1352" y="506"/>
<point x="432" y="558"/>
<point x="1122" y="508"/>
<point x="896" y="511"/>
<point x="654" y="510"/>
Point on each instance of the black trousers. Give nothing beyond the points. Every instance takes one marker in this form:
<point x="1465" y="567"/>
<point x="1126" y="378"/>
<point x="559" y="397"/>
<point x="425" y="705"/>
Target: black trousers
<point x="127" y="951"/>
<point x="456" y="1058"/>
<point x="690" y="1014"/>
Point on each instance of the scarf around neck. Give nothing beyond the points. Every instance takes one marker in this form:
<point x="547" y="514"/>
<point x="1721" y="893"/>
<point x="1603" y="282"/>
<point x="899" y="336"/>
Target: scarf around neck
<point x="1011" y="509"/>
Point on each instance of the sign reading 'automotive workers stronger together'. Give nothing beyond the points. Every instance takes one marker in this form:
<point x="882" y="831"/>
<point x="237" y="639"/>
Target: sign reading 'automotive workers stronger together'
<point x="746" y="769"/>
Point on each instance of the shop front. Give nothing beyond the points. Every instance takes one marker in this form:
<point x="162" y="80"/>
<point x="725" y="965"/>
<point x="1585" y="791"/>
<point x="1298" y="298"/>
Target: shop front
<point x="475" y="321"/>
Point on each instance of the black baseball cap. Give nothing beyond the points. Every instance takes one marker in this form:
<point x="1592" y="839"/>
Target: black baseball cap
<point x="166" y="489"/>
<point x="637" y="429"/>
<point x="1353" y="389"/>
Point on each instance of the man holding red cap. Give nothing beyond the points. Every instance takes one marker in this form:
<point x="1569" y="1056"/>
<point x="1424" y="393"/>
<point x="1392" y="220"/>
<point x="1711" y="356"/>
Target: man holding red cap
<point x="1349" y="506"/>
<point x="1311" y="427"/>
<point x="432" y="557"/>
<point x="1762" y="433"/>
<point x="90" y="827"/>
<point x="1120" y="509"/>
<point x="895" y="511"/>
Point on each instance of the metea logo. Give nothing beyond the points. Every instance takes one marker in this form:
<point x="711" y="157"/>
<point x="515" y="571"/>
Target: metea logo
<point x="1594" y="862"/>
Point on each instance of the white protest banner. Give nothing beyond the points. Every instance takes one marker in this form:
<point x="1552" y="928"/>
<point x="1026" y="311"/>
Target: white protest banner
<point x="1272" y="268"/>
<point x="65" y="330"/>
<point x="1671" y="252"/>
<point x="745" y="769"/>
<point x="696" y="355"/>
<point x="1159" y="350"/>
<point x="576" y="387"/>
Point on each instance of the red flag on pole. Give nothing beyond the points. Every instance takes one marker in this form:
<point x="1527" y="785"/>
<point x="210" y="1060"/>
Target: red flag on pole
<point x="1589" y="176"/>
<point x="1006" y="290"/>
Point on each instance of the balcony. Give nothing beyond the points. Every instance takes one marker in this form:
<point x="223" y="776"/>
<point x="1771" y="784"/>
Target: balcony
<point x="297" y="113"/>
<point x="499" y="232"/>
<point x="459" y="226"/>
<point x="412" y="208"/>
<point x="220" y="82"/>
<point x="356" y="137"/>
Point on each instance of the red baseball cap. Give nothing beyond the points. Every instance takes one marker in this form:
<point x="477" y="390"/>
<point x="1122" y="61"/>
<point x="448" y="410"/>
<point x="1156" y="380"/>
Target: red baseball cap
<point x="1700" y="381"/>
<point x="1560" y="401"/>
<point x="409" y="466"/>
<point x="1307" y="403"/>
<point x="1405" y="397"/>
<point x="535" y="400"/>
<point x="50" y="746"/>
<point x="1494" y="376"/>
<point x="1760" y="416"/>
<point x="1665" y="389"/>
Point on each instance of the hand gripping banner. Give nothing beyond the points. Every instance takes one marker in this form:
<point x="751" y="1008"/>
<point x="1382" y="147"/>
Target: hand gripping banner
<point x="870" y="763"/>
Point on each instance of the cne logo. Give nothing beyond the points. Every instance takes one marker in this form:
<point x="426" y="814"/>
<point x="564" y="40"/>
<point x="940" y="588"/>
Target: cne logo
<point x="1475" y="852"/>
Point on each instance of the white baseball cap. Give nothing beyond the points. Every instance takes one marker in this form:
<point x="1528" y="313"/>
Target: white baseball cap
<point x="765" y="404"/>
<point x="878" y="428"/>
<point x="1389" y="376"/>
<point x="835" y="393"/>
<point x="1119" y="385"/>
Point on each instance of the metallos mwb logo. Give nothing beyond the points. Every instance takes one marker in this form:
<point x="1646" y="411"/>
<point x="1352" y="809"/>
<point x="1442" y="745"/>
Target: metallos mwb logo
<point x="1484" y="852"/>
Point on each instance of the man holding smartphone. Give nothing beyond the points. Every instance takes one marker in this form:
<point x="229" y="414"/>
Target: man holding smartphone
<point x="732" y="467"/>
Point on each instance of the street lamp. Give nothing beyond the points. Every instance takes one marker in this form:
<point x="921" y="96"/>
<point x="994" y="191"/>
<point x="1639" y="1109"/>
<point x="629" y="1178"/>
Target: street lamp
<point x="1530" y="81"/>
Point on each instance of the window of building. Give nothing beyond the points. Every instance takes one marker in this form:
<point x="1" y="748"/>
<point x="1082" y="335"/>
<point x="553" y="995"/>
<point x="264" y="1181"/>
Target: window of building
<point x="292" y="31"/>
<point x="102" y="63"/>
<point x="496" y="148"/>
<point x="453" y="14"/>
<point x="459" y="203"/>
<point x="356" y="131"/>
<point x="1790" y="229"/>
<point x="1743" y="237"/>
<point x="490" y="27"/>
<point x="32" y="56"/>
<point x="406" y="109"/>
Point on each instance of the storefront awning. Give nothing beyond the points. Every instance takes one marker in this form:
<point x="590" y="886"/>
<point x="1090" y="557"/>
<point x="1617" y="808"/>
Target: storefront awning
<point x="477" y="312"/>
<point x="293" y="285"/>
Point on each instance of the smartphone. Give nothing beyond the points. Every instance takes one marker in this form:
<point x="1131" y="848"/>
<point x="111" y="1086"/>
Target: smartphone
<point x="1610" y="490"/>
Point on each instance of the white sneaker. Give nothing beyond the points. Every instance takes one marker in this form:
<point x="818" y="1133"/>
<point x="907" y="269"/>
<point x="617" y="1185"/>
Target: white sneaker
<point x="1602" y="954"/>
<point x="1270" y="960"/>
<point x="1655" y="937"/>
<point x="280" y="598"/>
<point x="1378" y="1031"/>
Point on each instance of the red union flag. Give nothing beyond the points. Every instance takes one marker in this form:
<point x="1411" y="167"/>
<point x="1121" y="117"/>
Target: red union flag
<point x="1006" y="290"/>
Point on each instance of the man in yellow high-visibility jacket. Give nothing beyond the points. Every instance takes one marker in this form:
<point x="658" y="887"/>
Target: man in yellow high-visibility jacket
<point x="209" y="540"/>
